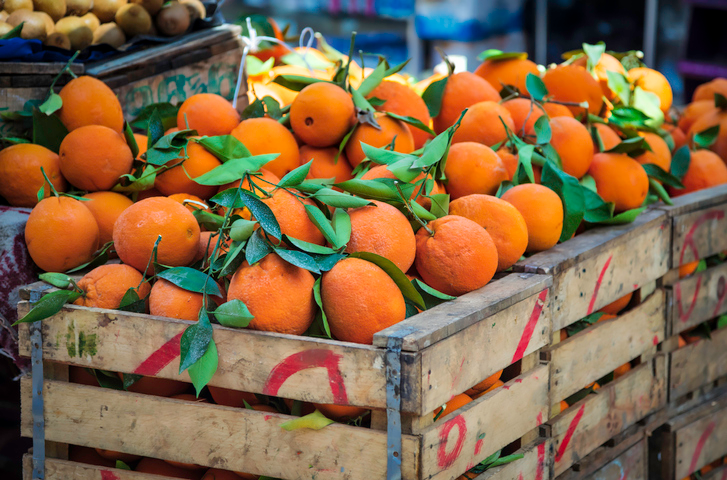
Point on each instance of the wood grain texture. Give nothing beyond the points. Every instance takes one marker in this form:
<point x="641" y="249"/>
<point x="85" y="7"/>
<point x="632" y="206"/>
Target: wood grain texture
<point x="601" y="265"/>
<point x="588" y="424"/>
<point x="65" y="470"/>
<point x="630" y="465"/>
<point x="699" y="234"/>
<point x="535" y="464"/>
<point x="464" y="359"/>
<point x="436" y="324"/>
<point x="604" y="346"/>
<point x="212" y="435"/>
<point x="701" y="443"/>
<point x="698" y="298"/>
<point x="699" y="200"/>
<point x="122" y="341"/>
<point x="698" y="364"/>
<point x="460" y="440"/>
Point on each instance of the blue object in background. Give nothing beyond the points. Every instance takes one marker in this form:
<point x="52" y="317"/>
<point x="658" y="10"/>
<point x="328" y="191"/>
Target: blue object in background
<point x="391" y="45"/>
<point x="467" y="20"/>
<point x="394" y="8"/>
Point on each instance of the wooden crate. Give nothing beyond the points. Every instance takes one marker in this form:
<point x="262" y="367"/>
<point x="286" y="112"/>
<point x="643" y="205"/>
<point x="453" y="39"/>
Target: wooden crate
<point x="602" y="265"/>
<point x="445" y="351"/>
<point x="206" y="61"/>
<point x="602" y="415"/>
<point x="57" y="469"/>
<point x="697" y="365"/>
<point x="536" y="464"/>
<point x="697" y="298"/>
<point x="689" y="441"/>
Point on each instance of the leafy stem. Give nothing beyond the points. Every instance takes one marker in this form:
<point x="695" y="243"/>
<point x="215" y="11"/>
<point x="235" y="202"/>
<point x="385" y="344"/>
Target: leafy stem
<point x="411" y="211"/>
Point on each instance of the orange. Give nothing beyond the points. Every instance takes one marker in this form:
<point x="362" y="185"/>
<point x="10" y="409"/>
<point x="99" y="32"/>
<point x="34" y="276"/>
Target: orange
<point x="463" y="90"/>
<point x="152" y="192"/>
<point x="383" y="230"/>
<point x="360" y="299"/>
<point x="160" y="387"/>
<point x="325" y="164"/>
<point x="403" y="100"/>
<point x="141" y="142"/>
<point x="563" y="335"/>
<point x="265" y="135"/>
<point x="495" y="385"/>
<point x="473" y="168"/>
<point x="169" y="300"/>
<point x="88" y="455"/>
<point x="381" y="171"/>
<point x="192" y="202"/>
<point x="81" y="376"/>
<point x="605" y="64"/>
<point x="391" y="130"/>
<point x="570" y="138"/>
<point x="114" y="456"/>
<point x="682" y="342"/>
<point x="263" y="183"/>
<point x="484" y="384"/>
<point x="20" y="175"/>
<point x="706" y="170"/>
<point x="455" y="403"/>
<point x="616" y="306"/>
<point x="524" y="114"/>
<point x="652" y="81"/>
<point x="232" y="398"/>
<point x="557" y="110"/>
<point x="542" y="210"/>
<point x="458" y="258"/>
<point x="484" y="123"/>
<point x="208" y="113"/>
<point x="207" y="246"/>
<point x="514" y="71"/>
<point x="688" y="269"/>
<point x="88" y="101"/>
<point x="106" y="285"/>
<point x="93" y="158"/>
<point x="218" y="474"/>
<point x="693" y="112"/>
<point x="509" y="160"/>
<point x="563" y="405"/>
<point x="106" y="208"/>
<point x="605" y="317"/>
<point x="621" y="371"/>
<point x="278" y="294"/>
<point x="710" y="119"/>
<point x="72" y="229"/>
<point x="505" y="225"/>
<point x="138" y="227"/>
<point x="265" y="408"/>
<point x="619" y="179"/>
<point x="160" y="467"/>
<point x="609" y="138"/>
<point x="677" y="135"/>
<point x="660" y="155"/>
<point x="291" y="216"/>
<point x="340" y="413"/>
<point x="180" y="179"/>
<point x="707" y="90"/>
<point x="571" y="83"/>
<point x="321" y="114"/>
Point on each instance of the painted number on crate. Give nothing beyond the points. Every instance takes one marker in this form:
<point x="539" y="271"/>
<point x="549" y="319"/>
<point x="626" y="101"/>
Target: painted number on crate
<point x="689" y="237"/>
<point x="530" y="327"/>
<point x="700" y="445"/>
<point x="599" y="280"/>
<point x="685" y="314"/>
<point x="569" y="434"/>
<point x="314" y="358"/>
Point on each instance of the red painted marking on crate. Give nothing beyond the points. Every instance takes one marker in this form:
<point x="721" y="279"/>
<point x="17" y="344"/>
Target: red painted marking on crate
<point x="108" y="475"/>
<point x="569" y="434"/>
<point x="469" y="467"/>
<point x="522" y="345"/>
<point x="520" y="476"/>
<point x="721" y="291"/>
<point x="700" y="445"/>
<point x="459" y="372"/>
<point x="313" y="358"/>
<point x="724" y="474"/>
<point x="684" y="315"/>
<point x="656" y="339"/>
<point x="479" y="443"/>
<point x="541" y="456"/>
<point x="162" y="357"/>
<point x="446" y="459"/>
<point x="689" y="237"/>
<point x="598" y="285"/>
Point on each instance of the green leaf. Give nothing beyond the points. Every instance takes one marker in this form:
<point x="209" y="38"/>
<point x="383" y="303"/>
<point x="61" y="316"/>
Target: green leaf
<point x="131" y="140"/>
<point x="48" y="131"/>
<point x="536" y="87"/>
<point x="373" y="189"/>
<point x="242" y="229"/>
<point x="624" y="217"/>
<point x="166" y="112"/>
<point x="594" y="53"/>
<point x="656" y="188"/>
<point x="414" y="122"/>
<point x="255" y="110"/>
<point x="632" y="145"/>
<point x="407" y="289"/>
<point x="312" y="185"/>
<point x="230" y="198"/>
<point x="235" y="169"/>
<point x="225" y="147"/>
<point x="296" y="59"/>
<point x="435" y="150"/>
<point x="131" y="302"/>
<point x="432" y="96"/>
<point x="319" y="302"/>
<point x="234" y="314"/>
<point x="543" y="133"/>
<point x="254" y="66"/>
<point x="570" y="193"/>
<point x="373" y="80"/>
<point x="52" y="104"/>
<point x="97" y="261"/>
<point x="321" y="222"/>
<point x="195" y="340"/>
<point x="299" y="259"/>
<point x="720" y="101"/>
<point x="403" y="170"/>
<point x="309" y="247"/>
<point x="383" y="156"/>
<point x="121" y="465"/>
<point x="628" y="117"/>
<point x="650" y="104"/>
<point x="431" y="296"/>
<point x="210" y="221"/>
<point x="722" y="321"/>
<point x="506" y="459"/>
<point x="680" y="162"/>
<point x="272" y="108"/>
<point x="658" y="173"/>
<point x="498" y="55"/>
<point x="313" y="421"/>
<point x="334" y="198"/>
<point x="619" y="84"/>
<point x="14" y="33"/>
<point x="154" y="130"/>
<point x="58" y="280"/>
<point x="525" y="155"/>
<point x="504" y="187"/>
<point x="597" y="210"/>
<point x="588" y="182"/>
<point x="342" y="226"/>
<point x="257" y="248"/>
<point x="296" y="82"/>
<point x="707" y="137"/>
<point x="440" y="205"/>
<point x="130" y="379"/>
<point x="202" y="371"/>
<point x="49" y="305"/>
<point x="295" y="176"/>
<point x="191" y="280"/>
<point x="326" y="262"/>
<point x="233" y="259"/>
<point x="41" y="193"/>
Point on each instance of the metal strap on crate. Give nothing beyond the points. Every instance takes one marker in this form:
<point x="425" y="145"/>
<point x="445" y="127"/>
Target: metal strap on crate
<point x="36" y="359"/>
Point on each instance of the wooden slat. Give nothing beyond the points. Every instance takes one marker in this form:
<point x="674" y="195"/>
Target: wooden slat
<point x="601" y="265"/>
<point x="438" y="323"/>
<point x="460" y="440"/>
<point x="601" y="348"/>
<point x="699" y="234"/>
<point x="698" y="364"/>
<point x="630" y="465"/>
<point x="701" y="443"/>
<point x="212" y="435"/>
<point x="719" y="473"/>
<point x="535" y="464"/>
<point x="696" y="201"/>
<point x="455" y="364"/>
<point x="698" y="298"/>
<point x="65" y="470"/>
<point x="130" y="342"/>
<point x="588" y="424"/>
<point x="38" y="68"/>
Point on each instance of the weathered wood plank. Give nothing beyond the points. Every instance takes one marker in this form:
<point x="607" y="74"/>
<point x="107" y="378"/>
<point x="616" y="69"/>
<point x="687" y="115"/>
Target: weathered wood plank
<point x="38" y="68"/>
<point x="699" y="234"/>
<point x="601" y="348"/>
<point x="699" y="298"/>
<point x="586" y="425"/>
<point x="438" y="323"/>
<point x="699" y="200"/>
<point x="535" y="464"/>
<point x="601" y="265"/>
<point x="698" y="364"/>
<point x="64" y="470"/>
<point x="460" y="361"/>
<point x="259" y="362"/>
<point x="460" y="440"/>
<point x="630" y="465"/>
<point x="701" y="443"/>
<point x="719" y="473"/>
<point x="212" y="435"/>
